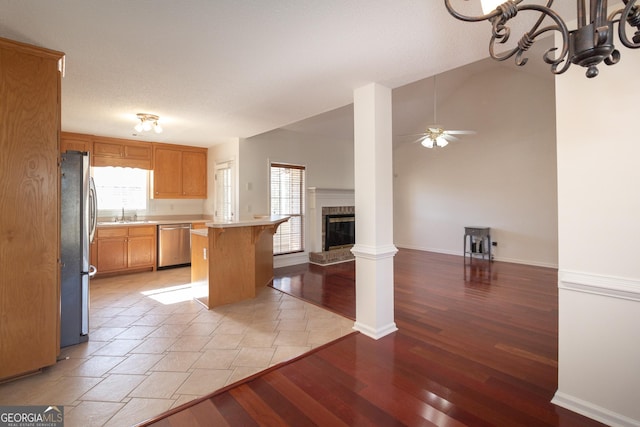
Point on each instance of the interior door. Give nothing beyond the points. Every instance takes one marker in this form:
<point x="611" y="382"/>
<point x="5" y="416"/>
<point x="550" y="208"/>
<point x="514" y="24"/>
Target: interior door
<point x="225" y="192"/>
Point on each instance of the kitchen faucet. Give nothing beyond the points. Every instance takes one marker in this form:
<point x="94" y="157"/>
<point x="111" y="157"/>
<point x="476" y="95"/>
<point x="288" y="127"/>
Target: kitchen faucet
<point x="122" y="219"/>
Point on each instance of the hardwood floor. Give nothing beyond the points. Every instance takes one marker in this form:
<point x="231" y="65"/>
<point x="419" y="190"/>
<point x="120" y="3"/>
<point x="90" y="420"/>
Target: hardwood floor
<point x="332" y="287"/>
<point x="476" y="346"/>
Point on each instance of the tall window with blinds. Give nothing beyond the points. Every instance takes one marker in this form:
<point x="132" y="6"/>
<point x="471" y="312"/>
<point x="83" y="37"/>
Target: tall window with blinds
<point x="287" y="198"/>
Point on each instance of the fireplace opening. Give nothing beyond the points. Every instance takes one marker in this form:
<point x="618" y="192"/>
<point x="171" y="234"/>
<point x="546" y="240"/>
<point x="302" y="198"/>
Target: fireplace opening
<point x="340" y="231"/>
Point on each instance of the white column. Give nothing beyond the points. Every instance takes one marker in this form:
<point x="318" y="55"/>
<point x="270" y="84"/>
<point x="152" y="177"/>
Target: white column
<point x="374" y="249"/>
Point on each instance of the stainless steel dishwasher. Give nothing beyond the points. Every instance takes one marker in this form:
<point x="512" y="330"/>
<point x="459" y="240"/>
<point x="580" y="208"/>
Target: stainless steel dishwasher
<point x="174" y="244"/>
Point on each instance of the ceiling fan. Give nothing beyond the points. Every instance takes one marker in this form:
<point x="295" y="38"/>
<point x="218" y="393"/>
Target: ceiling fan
<point x="435" y="135"/>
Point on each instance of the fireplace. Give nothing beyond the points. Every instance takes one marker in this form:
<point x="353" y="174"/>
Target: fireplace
<point x="338" y="204"/>
<point x="340" y="231"/>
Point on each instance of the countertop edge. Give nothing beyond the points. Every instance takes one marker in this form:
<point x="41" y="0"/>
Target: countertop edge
<point x="151" y="222"/>
<point x="271" y="220"/>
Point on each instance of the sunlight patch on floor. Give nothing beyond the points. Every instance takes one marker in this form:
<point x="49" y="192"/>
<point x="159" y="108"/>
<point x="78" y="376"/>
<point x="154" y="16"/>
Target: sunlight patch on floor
<point x="171" y="294"/>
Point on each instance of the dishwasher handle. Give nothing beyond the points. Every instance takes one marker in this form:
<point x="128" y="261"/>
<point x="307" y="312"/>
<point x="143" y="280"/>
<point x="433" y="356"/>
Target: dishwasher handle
<point x="175" y="227"/>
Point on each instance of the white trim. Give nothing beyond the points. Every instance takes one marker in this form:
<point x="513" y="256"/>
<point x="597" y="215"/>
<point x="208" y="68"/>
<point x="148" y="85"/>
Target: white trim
<point x="592" y="411"/>
<point x="375" y="333"/>
<point x="331" y="263"/>
<point x="614" y="287"/>
<point x="290" y="259"/>
<point x="342" y="195"/>
<point x="318" y="198"/>
<point x="427" y="249"/>
<point x="374" y="252"/>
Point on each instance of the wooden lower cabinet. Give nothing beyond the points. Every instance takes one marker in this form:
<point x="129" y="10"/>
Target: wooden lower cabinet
<point x="141" y="248"/>
<point x="125" y="249"/>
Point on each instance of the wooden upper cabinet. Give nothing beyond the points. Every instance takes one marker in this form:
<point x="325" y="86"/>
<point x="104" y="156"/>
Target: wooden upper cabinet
<point x="75" y="142"/>
<point x="167" y="172"/>
<point x="121" y="152"/>
<point x="108" y="149"/>
<point x="194" y="174"/>
<point x="179" y="172"/>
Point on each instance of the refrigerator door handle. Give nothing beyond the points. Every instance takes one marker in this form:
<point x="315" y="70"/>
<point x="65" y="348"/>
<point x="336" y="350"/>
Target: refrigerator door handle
<point x="92" y="271"/>
<point x="93" y="210"/>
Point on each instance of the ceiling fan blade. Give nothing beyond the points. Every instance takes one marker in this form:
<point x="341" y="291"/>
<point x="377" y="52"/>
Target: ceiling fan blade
<point x="461" y="132"/>
<point x="449" y="137"/>
<point x="415" y="134"/>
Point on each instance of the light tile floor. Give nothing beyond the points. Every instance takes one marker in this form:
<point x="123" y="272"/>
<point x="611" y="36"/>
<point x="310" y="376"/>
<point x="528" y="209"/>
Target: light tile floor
<point x="152" y="347"/>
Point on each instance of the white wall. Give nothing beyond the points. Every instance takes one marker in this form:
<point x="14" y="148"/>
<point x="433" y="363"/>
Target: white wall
<point x="599" y="265"/>
<point x="328" y="162"/>
<point x="159" y="207"/>
<point x="504" y="177"/>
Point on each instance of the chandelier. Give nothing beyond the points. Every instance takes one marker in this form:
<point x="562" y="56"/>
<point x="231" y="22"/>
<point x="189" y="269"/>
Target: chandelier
<point x="588" y="45"/>
<point x="148" y="122"/>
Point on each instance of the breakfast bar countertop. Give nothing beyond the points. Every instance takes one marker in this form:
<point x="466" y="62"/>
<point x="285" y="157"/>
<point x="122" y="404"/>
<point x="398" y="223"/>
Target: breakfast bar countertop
<point x="256" y="221"/>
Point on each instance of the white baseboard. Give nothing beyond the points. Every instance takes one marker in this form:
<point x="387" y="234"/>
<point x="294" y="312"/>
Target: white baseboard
<point x="425" y="249"/>
<point x="290" y="259"/>
<point x="593" y="411"/>
<point x="495" y="258"/>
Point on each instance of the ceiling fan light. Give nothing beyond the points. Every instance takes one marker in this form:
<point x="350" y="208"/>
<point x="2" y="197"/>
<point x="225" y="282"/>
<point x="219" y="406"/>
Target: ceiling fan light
<point x="146" y="126"/>
<point x="441" y="141"/>
<point x="427" y="143"/>
<point x="138" y="127"/>
<point x="157" y="128"/>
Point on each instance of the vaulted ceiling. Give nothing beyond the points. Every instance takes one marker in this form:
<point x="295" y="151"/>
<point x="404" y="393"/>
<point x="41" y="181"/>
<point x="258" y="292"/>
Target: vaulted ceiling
<point x="214" y="70"/>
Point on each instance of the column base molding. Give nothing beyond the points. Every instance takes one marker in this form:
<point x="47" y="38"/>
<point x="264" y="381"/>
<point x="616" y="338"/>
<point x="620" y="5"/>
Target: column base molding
<point x="375" y="333"/>
<point x="374" y="252"/>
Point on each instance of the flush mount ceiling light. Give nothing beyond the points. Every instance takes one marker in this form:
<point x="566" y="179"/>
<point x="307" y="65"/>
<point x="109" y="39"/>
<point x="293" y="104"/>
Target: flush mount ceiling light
<point x="148" y="122"/>
<point x="588" y="45"/>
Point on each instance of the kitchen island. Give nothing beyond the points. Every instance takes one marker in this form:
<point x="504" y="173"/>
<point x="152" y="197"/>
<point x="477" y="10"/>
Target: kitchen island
<point x="230" y="261"/>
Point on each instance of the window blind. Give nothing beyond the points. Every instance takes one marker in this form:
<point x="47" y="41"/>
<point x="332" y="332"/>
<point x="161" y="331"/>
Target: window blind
<point x="119" y="187"/>
<point x="287" y="198"/>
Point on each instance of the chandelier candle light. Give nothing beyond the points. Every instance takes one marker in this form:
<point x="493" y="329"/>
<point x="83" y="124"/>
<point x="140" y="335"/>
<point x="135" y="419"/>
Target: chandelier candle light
<point x="588" y="45"/>
<point x="148" y="122"/>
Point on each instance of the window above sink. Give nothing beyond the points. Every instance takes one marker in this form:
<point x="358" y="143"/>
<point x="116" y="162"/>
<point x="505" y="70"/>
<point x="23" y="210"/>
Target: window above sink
<point x="120" y="188"/>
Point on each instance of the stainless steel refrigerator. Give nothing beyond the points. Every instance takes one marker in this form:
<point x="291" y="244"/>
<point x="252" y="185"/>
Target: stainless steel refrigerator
<point x="78" y="215"/>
